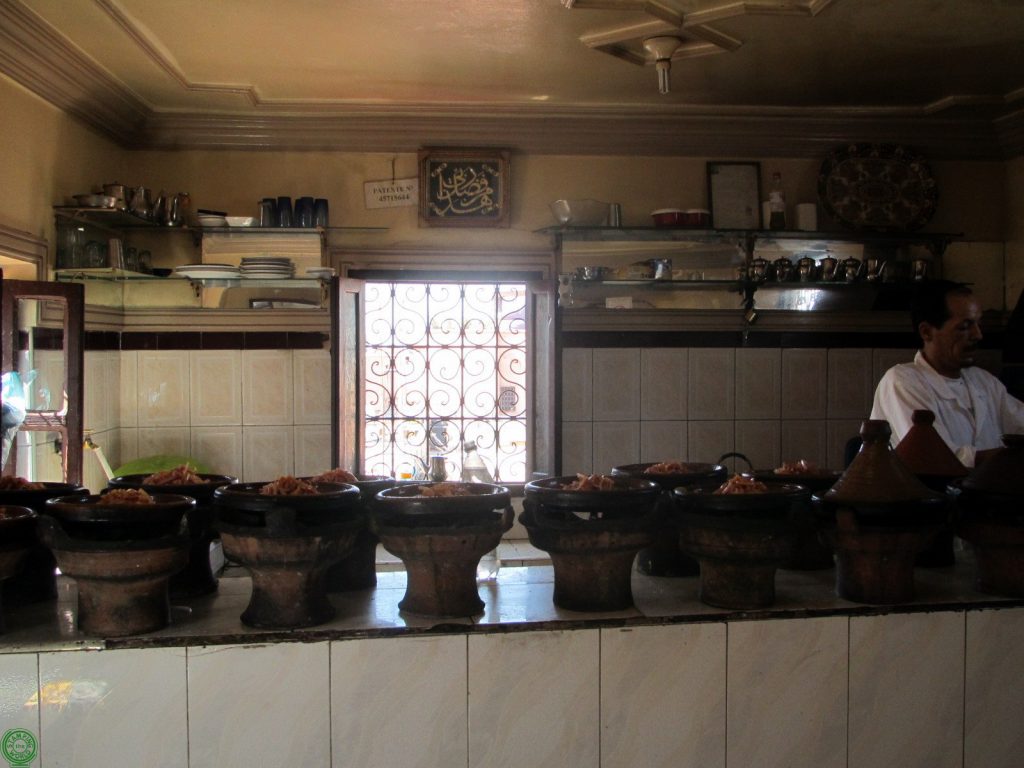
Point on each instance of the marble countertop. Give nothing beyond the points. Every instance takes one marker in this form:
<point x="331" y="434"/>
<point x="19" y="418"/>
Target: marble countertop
<point x="521" y="600"/>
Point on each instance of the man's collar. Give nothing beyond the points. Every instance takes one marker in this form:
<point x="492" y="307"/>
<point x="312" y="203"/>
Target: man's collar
<point x="940" y="383"/>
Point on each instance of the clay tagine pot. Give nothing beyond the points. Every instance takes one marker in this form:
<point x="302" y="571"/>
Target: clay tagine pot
<point x="358" y="569"/>
<point x="121" y="556"/>
<point x="810" y="553"/>
<point x="991" y="519"/>
<point x="740" y="539"/>
<point x="926" y="454"/>
<point x="17" y="537"/>
<point x="440" y="539"/>
<point x="287" y="542"/>
<point x="593" y="535"/>
<point x="878" y="517"/>
<point x="664" y="557"/>
<point x="197" y="577"/>
<point x="36" y="581"/>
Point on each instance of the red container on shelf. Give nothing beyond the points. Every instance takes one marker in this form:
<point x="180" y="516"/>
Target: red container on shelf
<point x="676" y="217"/>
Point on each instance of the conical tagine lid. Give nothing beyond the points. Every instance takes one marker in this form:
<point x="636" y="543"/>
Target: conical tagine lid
<point x="876" y="475"/>
<point x="925" y="453"/>
<point x="1002" y="472"/>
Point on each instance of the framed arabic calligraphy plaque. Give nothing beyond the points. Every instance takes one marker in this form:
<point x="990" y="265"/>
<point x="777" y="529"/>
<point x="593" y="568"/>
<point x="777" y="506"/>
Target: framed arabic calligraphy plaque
<point x="464" y="187"/>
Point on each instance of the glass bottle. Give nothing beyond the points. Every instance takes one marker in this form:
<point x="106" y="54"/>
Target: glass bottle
<point x="777" y="203"/>
<point x="474" y="470"/>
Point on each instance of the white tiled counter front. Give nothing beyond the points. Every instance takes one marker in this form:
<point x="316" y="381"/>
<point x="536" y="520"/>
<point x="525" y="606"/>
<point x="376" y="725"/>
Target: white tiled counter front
<point x="813" y="682"/>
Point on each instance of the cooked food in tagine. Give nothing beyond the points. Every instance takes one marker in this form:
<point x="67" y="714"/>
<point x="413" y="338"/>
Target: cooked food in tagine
<point x="183" y="475"/>
<point x="335" y="476"/>
<point x="445" y="489"/>
<point x="741" y="484"/>
<point x="667" y="468"/>
<point x="590" y="483"/>
<point x="19" y="484"/>
<point x="125" y="496"/>
<point x="798" y="467"/>
<point x="286" y="485"/>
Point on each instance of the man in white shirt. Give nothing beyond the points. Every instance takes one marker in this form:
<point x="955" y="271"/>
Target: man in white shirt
<point x="972" y="407"/>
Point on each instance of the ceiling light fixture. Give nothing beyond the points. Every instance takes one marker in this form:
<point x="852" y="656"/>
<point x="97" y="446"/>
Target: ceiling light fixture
<point x="662" y="48"/>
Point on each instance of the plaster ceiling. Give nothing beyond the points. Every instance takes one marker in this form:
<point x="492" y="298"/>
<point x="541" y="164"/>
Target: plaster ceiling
<point x="202" y="63"/>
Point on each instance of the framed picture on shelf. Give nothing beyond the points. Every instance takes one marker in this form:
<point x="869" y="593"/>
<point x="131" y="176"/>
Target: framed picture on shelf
<point x="464" y="187"/>
<point x="734" y="190"/>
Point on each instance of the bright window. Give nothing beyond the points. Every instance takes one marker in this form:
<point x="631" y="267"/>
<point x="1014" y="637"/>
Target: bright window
<point x="445" y="364"/>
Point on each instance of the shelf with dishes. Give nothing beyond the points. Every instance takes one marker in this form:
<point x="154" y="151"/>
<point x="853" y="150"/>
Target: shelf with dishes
<point x="657" y="267"/>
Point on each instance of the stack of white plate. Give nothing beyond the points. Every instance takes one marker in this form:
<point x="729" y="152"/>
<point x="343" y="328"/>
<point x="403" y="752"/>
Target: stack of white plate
<point x="268" y="267"/>
<point x="207" y="271"/>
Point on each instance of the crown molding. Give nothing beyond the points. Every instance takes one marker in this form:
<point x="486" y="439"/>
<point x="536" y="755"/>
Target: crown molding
<point x="34" y="55"/>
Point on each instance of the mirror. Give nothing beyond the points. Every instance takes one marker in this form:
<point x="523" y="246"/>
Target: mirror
<point x="42" y="380"/>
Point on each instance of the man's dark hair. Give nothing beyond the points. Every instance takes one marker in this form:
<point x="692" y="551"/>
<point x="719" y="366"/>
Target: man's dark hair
<point x="929" y="304"/>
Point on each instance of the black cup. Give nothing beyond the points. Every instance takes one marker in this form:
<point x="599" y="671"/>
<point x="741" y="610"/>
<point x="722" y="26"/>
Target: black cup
<point x="268" y="212"/>
<point x="284" y="212"/>
<point x="304" y="212"/>
<point x="320" y="216"/>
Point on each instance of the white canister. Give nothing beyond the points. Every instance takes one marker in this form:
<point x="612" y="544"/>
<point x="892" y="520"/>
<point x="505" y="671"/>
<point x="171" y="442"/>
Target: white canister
<point x="807" y="217"/>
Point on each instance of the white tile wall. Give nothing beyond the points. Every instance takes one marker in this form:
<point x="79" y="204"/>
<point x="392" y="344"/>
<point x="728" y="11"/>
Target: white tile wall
<point x="577" y="447"/>
<point x="312" y="449"/>
<point x="786" y="693"/>
<point x="616" y="384"/>
<point x="259" y="705"/>
<point x="533" y="699"/>
<point x="662" y="696"/>
<point x="267" y="387"/>
<point x="758" y="383"/>
<point x="759" y="442"/>
<point x="19" y="693"/>
<point x="312" y="377"/>
<point x="708" y="440"/>
<point x="805" y="440"/>
<point x="804" y="377"/>
<point x="163" y="380"/>
<point x="663" y="384"/>
<point x="907" y="691"/>
<point x="615" y="443"/>
<point x="851" y="383"/>
<point x="712" y="384"/>
<point x="267" y="453"/>
<point x="129" y="389"/>
<point x="377" y="723"/>
<point x="994" y="697"/>
<point x="172" y="441"/>
<point x="219" y="448"/>
<point x="872" y="691"/>
<point x="663" y="441"/>
<point x="100" y="708"/>
<point x="216" y="383"/>
<point x="577" y="385"/>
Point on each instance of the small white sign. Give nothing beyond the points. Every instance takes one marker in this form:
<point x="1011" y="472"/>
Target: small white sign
<point x="397" y="193"/>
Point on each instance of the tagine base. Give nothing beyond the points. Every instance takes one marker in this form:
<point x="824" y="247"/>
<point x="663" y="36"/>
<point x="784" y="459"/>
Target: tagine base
<point x="737" y="569"/>
<point x="196" y="578"/>
<point x="287" y="573"/>
<point x="123" y="591"/>
<point x="593" y="568"/>
<point x="875" y="566"/>
<point x="11" y="561"/>
<point x="999" y="555"/>
<point x="441" y="567"/>
<point x="664" y="558"/>
<point x="358" y="570"/>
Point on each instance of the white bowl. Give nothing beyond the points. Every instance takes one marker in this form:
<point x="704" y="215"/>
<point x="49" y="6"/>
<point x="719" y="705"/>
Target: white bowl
<point x="208" y="220"/>
<point x="239" y="221"/>
<point x="580" y="213"/>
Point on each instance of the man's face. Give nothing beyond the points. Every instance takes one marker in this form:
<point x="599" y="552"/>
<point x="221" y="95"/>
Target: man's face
<point x="951" y="346"/>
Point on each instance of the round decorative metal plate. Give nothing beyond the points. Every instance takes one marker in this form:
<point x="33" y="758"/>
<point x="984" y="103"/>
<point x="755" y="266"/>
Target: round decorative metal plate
<point x="877" y="188"/>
